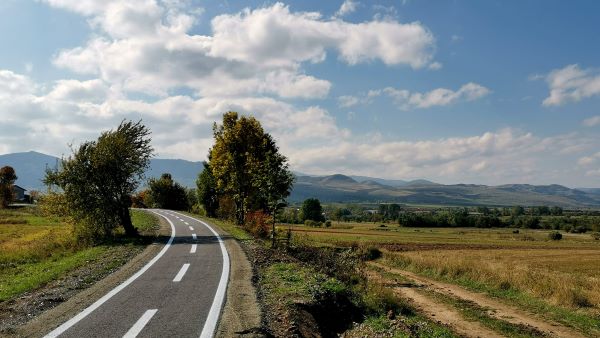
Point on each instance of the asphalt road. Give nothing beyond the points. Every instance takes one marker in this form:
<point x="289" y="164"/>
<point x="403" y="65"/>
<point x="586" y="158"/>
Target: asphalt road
<point x="179" y="293"/>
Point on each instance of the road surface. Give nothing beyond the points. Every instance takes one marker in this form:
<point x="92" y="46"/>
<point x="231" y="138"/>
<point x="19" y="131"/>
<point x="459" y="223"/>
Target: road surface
<point x="179" y="293"/>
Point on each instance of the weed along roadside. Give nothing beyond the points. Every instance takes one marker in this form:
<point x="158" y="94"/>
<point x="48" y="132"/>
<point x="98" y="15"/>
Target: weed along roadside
<point x="42" y="267"/>
<point x="309" y="291"/>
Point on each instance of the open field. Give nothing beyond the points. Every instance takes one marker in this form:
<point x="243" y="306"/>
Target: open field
<point x="421" y="238"/>
<point x="557" y="281"/>
<point x="36" y="249"/>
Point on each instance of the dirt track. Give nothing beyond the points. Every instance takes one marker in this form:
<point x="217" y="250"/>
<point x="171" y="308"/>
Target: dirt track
<point x="496" y="309"/>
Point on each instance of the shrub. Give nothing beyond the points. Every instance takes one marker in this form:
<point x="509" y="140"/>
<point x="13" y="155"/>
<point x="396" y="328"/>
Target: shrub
<point x="596" y="236"/>
<point x="258" y="224"/>
<point x="328" y="223"/>
<point x="370" y="253"/>
<point x="580" y="229"/>
<point x="311" y="223"/>
<point x="555" y="235"/>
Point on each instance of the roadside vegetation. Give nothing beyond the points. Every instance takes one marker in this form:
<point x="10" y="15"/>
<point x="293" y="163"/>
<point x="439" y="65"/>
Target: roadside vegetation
<point x="36" y="249"/>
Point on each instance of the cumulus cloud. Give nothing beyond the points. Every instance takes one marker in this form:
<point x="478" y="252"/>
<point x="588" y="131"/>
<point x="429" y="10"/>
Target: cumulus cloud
<point x="347" y="7"/>
<point x="146" y="46"/>
<point x="571" y="84"/>
<point x="346" y="101"/>
<point x="437" y="97"/>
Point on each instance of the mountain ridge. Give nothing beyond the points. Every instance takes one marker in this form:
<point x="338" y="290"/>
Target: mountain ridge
<point x="30" y="167"/>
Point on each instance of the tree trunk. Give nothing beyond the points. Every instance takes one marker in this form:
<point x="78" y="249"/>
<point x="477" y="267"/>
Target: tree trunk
<point x="130" y="230"/>
<point x="239" y="206"/>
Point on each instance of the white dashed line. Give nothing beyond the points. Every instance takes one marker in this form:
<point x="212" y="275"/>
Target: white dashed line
<point x="139" y="325"/>
<point x="191" y="228"/>
<point x="194" y="237"/>
<point x="181" y="272"/>
<point x="193" y="249"/>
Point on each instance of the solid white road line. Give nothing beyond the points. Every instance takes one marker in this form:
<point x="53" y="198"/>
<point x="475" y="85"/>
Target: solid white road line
<point x="210" y="325"/>
<point x="66" y="325"/>
<point x="194" y="247"/>
<point x="191" y="228"/>
<point x="194" y="237"/>
<point x="139" y="325"/>
<point x="181" y="272"/>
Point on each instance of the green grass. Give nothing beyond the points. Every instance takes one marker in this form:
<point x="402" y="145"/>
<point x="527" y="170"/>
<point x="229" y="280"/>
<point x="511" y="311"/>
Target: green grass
<point x="144" y="221"/>
<point x="37" y="249"/>
<point x="474" y="312"/>
<point x="414" y="326"/>
<point x="579" y="320"/>
<point x="232" y="229"/>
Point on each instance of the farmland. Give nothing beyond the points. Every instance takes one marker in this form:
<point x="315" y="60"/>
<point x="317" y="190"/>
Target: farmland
<point x="558" y="280"/>
<point x="37" y="249"/>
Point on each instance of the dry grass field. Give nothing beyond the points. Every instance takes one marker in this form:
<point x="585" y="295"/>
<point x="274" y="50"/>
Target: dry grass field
<point x="36" y="249"/>
<point x="558" y="281"/>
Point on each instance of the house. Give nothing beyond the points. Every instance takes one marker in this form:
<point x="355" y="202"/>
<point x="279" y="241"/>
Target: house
<point x="19" y="193"/>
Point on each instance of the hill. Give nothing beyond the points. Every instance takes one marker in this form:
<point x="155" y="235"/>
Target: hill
<point x="340" y="188"/>
<point x="30" y="167"/>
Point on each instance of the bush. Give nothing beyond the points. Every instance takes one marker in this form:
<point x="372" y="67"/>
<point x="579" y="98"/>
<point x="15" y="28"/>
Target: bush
<point x="370" y="253"/>
<point x="311" y="223"/>
<point x="596" y="236"/>
<point x="555" y="236"/>
<point x="328" y="224"/>
<point x="580" y="229"/>
<point x="258" y="224"/>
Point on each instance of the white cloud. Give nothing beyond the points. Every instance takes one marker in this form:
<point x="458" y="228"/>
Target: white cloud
<point x="592" y="121"/>
<point x="346" y="101"/>
<point x="571" y="84"/>
<point x="347" y="7"/>
<point x="435" y="66"/>
<point x="589" y="160"/>
<point x="146" y="47"/>
<point x="437" y="97"/>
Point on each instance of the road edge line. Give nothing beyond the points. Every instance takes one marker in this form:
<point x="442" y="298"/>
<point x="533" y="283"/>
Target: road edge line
<point x="74" y="320"/>
<point x="210" y="325"/>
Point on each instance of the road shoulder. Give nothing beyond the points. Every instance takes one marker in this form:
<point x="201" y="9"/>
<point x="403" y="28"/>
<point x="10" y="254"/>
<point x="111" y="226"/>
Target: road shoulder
<point x="240" y="316"/>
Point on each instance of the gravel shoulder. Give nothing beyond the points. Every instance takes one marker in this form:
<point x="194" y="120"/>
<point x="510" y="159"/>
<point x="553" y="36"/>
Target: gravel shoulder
<point x="241" y="315"/>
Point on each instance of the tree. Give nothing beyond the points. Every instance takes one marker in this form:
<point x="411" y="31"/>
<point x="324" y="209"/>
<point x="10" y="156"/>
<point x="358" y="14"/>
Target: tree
<point x="312" y="210"/>
<point x="207" y="191"/>
<point x="247" y="166"/>
<point x="100" y="176"/>
<point x="7" y="180"/>
<point x="272" y="179"/>
<point x="168" y="194"/>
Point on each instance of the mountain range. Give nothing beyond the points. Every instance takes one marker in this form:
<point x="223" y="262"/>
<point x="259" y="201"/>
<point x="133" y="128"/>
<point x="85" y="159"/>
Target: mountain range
<point x="30" y="167"/>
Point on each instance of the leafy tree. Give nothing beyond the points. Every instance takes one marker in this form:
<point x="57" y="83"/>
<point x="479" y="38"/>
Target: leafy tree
<point x="517" y="210"/>
<point x="247" y="166"/>
<point x="168" y="194"/>
<point x="207" y="191"/>
<point x="556" y="211"/>
<point x="312" y="210"/>
<point x="100" y="176"/>
<point x="7" y="180"/>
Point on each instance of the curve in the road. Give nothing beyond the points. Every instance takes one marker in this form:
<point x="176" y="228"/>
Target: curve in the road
<point x="77" y="324"/>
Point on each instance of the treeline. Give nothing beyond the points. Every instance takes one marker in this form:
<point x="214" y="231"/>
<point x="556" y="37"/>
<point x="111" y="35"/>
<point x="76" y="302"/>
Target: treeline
<point x="537" y="217"/>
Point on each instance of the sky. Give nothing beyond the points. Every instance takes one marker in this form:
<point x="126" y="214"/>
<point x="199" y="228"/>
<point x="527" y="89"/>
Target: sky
<point x="482" y="92"/>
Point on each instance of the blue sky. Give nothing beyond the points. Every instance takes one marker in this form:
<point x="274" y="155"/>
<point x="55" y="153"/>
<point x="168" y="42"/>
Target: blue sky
<point x="486" y="92"/>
